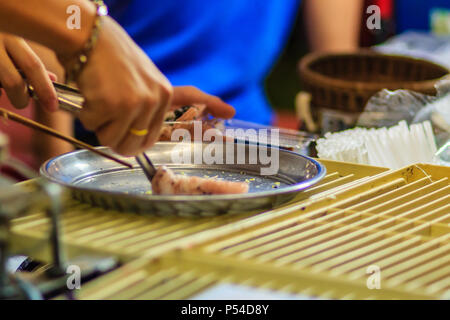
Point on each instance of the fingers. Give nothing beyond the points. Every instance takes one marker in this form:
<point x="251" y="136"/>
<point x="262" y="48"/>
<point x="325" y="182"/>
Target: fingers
<point x="187" y="95"/>
<point x="52" y="76"/>
<point x="26" y="60"/>
<point x="156" y="125"/>
<point x="121" y="84"/>
<point x="113" y="129"/>
<point x="12" y="82"/>
<point x="89" y="116"/>
<point x="110" y="126"/>
<point x="151" y="118"/>
<point x="131" y="144"/>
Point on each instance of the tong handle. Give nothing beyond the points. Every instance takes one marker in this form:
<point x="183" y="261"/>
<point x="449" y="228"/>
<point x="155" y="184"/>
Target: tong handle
<point x="146" y="165"/>
<point x="69" y="98"/>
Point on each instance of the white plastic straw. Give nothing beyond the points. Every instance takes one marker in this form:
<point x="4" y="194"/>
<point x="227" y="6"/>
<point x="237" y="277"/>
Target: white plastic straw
<point x="393" y="147"/>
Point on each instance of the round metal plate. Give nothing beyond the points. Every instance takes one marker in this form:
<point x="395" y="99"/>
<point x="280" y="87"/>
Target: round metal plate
<point x="102" y="182"/>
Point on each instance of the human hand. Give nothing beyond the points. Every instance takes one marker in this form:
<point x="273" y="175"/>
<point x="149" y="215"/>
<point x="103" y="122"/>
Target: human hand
<point x="16" y="54"/>
<point x="123" y="90"/>
<point x="188" y="95"/>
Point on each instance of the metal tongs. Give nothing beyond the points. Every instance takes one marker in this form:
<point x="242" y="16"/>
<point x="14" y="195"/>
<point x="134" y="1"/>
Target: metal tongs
<point x="147" y="166"/>
<point x="71" y="100"/>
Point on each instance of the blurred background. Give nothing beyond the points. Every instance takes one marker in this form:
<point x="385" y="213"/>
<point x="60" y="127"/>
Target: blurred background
<point x="397" y="17"/>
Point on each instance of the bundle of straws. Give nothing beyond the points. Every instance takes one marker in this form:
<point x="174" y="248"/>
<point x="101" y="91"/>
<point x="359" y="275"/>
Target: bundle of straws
<point x="393" y="147"/>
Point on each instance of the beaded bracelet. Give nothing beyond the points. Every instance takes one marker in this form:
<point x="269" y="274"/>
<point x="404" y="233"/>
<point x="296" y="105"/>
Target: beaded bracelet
<point x="74" y="70"/>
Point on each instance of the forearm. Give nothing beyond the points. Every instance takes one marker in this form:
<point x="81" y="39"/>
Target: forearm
<point x="333" y="25"/>
<point x="45" y="22"/>
<point x="45" y="146"/>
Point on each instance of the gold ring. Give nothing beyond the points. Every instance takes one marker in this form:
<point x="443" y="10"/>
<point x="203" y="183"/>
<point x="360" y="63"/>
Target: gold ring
<point x="139" y="133"/>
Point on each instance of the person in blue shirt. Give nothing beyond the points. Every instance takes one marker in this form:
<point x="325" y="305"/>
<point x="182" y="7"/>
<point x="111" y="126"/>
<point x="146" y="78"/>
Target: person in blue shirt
<point x="227" y="47"/>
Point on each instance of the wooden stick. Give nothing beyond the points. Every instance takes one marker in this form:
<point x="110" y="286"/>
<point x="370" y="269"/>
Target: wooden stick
<point x="37" y="126"/>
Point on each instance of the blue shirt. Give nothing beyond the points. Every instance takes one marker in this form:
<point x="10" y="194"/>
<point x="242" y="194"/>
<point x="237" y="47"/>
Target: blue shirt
<point x="415" y="14"/>
<point x="223" y="47"/>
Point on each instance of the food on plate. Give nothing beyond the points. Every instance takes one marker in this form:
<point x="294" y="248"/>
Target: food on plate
<point x="166" y="182"/>
<point x="186" y="113"/>
<point x="184" y="117"/>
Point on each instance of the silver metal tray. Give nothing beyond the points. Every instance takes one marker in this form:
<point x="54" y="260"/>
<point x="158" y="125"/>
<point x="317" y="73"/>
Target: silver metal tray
<point x="102" y="182"/>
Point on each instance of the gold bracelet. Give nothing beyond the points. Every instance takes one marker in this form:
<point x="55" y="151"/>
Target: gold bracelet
<point x="76" y="66"/>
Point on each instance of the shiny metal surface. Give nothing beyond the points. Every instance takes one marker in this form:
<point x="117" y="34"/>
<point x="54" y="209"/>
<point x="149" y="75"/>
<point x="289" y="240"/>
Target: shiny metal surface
<point x="146" y="165"/>
<point x="102" y="182"/>
<point x="297" y="141"/>
<point x="69" y="98"/>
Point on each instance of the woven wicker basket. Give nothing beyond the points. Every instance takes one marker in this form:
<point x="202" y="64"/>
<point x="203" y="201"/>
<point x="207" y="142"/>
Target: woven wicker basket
<point x="338" y="86"/>
<point x="346" y="81"/>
